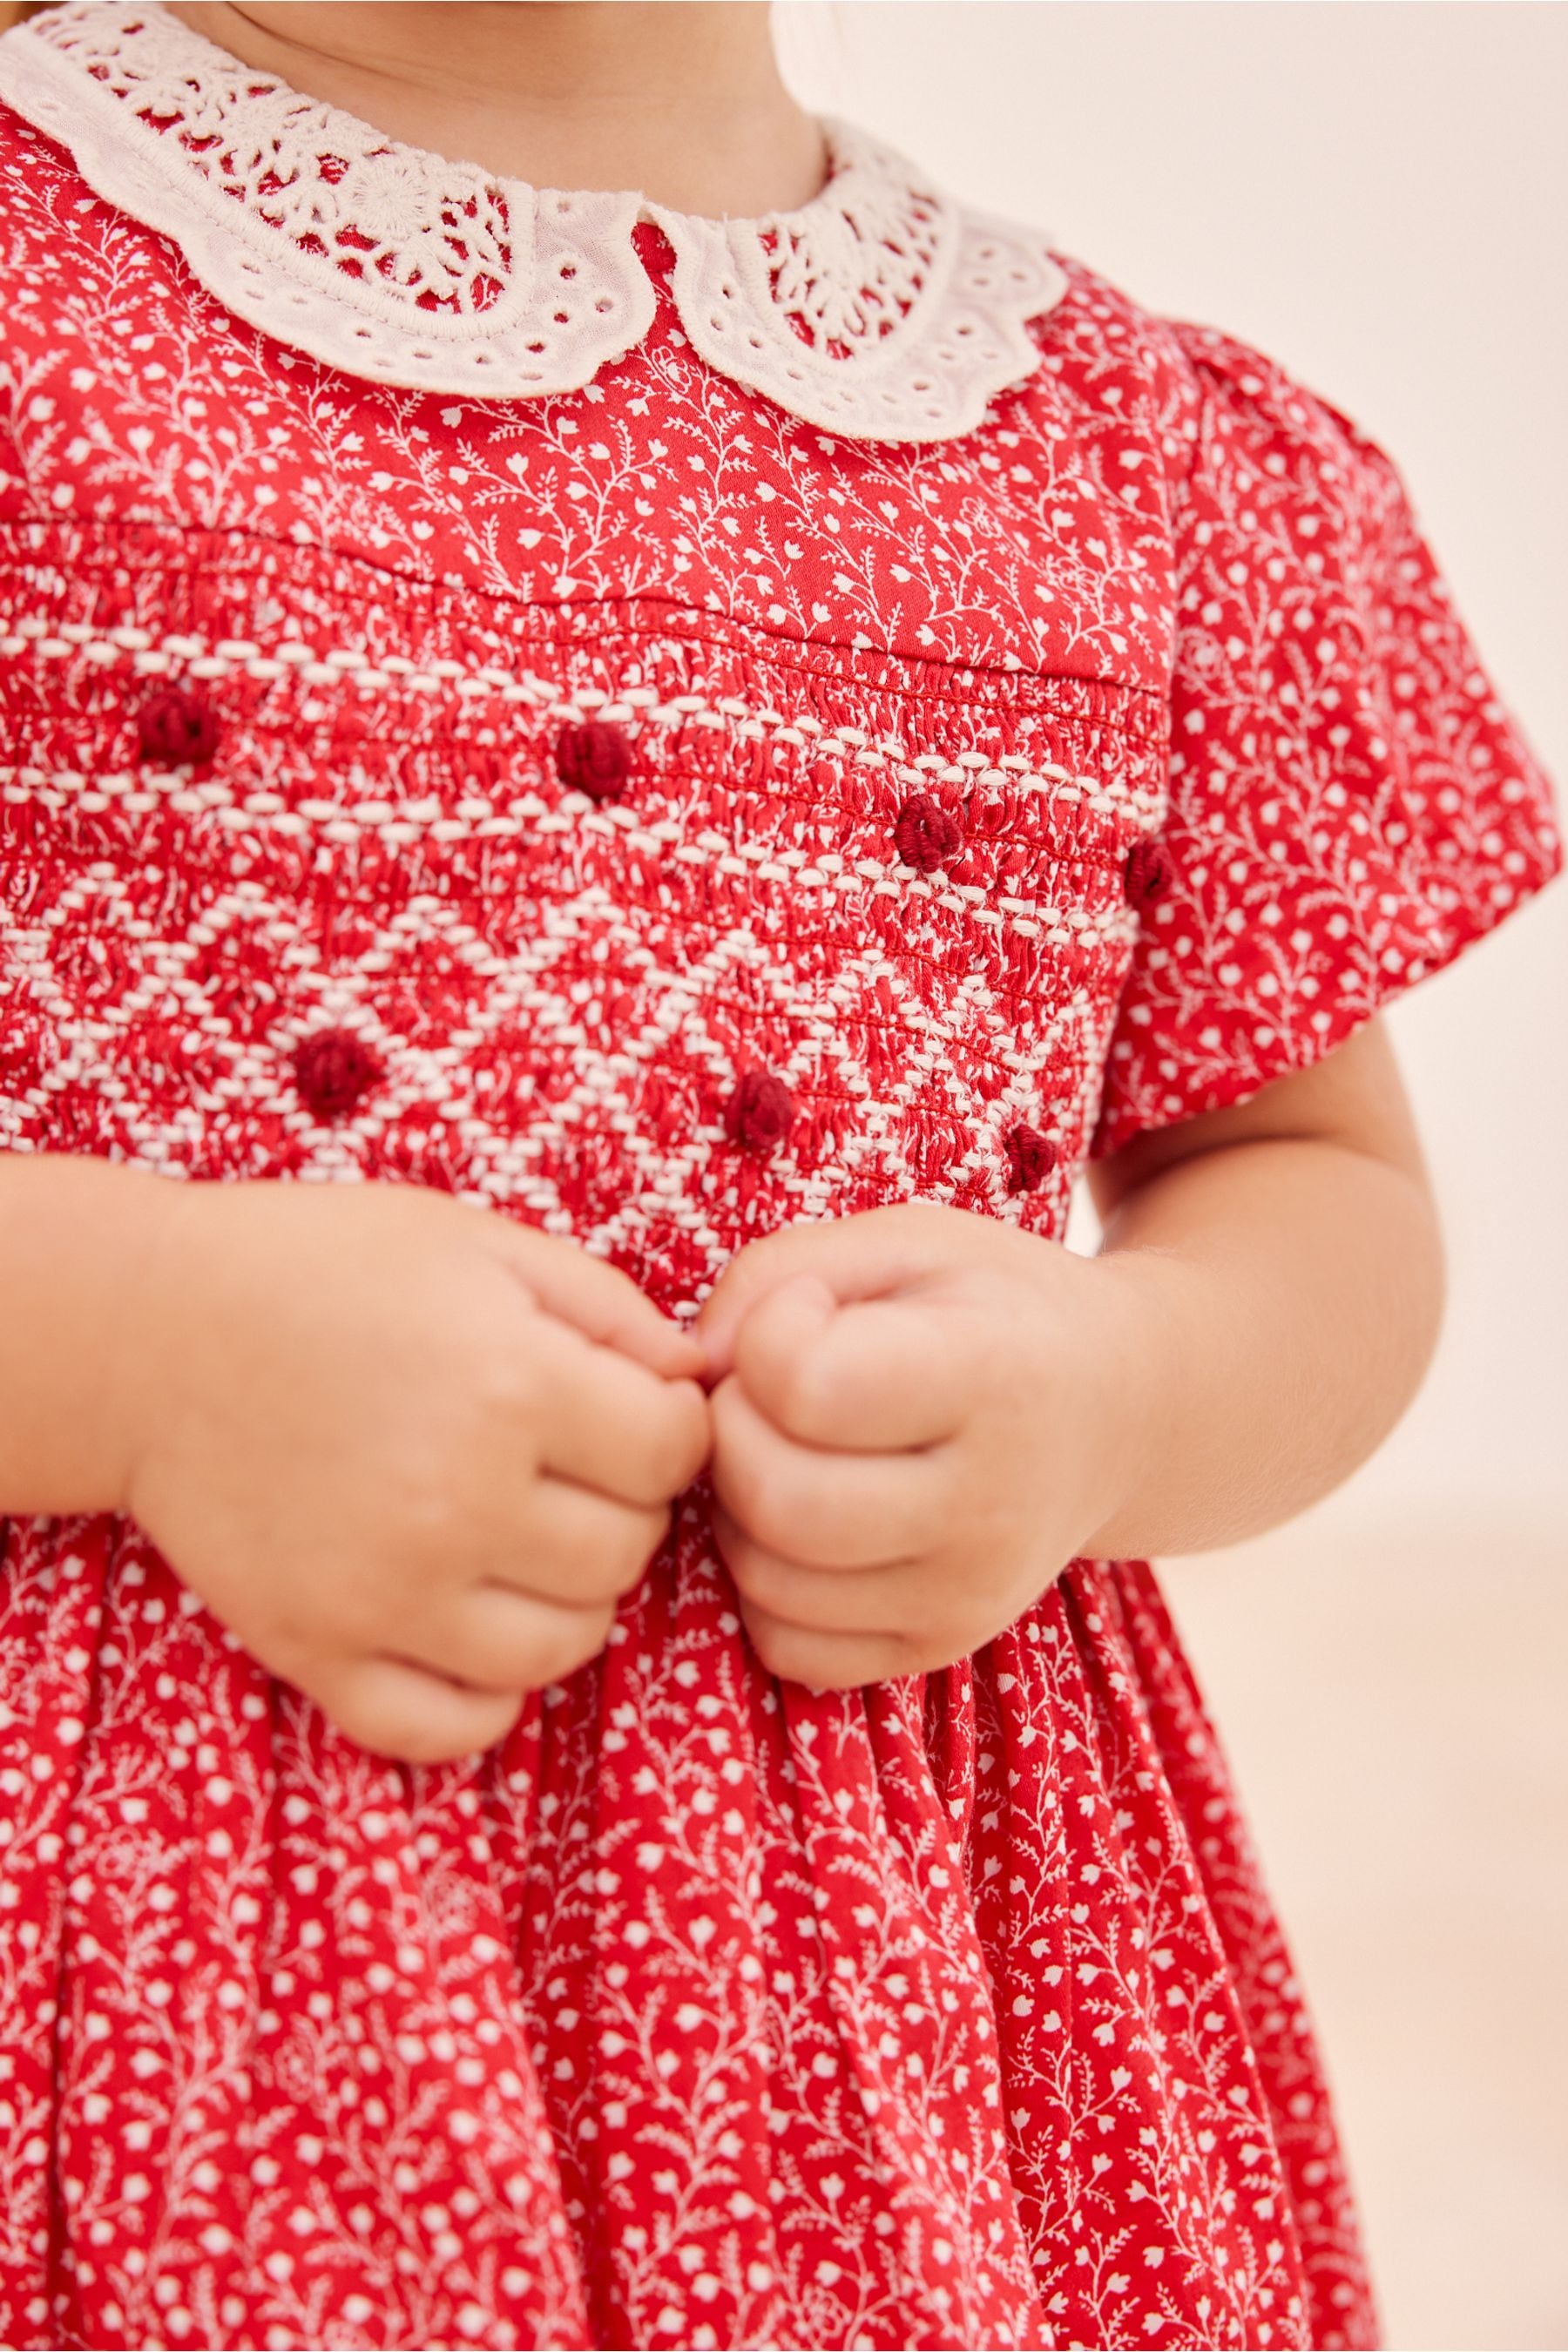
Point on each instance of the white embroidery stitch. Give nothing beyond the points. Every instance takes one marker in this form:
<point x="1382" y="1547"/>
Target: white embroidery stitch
<point x="171" y="655"/>
<point x="881" y="309"/>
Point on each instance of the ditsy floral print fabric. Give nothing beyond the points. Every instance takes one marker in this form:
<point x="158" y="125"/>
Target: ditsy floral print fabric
<point x="648" y="816"/>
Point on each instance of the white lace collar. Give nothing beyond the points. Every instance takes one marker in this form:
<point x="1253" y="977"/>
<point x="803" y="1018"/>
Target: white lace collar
<point x="881" y="310"/>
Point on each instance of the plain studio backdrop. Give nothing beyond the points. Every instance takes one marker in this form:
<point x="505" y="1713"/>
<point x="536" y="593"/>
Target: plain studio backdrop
<point x="1378" y="195"/>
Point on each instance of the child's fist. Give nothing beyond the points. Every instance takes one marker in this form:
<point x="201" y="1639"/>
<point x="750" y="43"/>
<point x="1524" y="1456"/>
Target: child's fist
<point x="919" y="1417"/>
<point x="412" y="1454"/>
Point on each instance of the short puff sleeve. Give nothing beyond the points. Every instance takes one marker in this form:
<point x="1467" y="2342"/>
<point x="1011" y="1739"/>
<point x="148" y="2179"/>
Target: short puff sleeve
<point x="1351" y="804"/>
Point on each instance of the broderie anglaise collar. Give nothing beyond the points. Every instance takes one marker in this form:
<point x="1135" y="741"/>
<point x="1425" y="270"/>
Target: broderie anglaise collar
<point x="881" y="310"/>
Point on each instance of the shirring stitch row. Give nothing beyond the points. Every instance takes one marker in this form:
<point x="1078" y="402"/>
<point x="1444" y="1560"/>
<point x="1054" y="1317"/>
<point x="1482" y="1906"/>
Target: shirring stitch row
<point x="154" y="659"/>
<point x="528" y="814"/>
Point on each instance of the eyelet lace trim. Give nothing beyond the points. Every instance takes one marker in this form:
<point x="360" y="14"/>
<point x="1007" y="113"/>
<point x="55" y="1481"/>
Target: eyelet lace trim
<point x="881" y="309"/>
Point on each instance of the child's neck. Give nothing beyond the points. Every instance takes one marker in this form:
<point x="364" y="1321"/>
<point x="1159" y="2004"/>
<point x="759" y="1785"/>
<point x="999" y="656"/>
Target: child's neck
<point x="683" y="102"/>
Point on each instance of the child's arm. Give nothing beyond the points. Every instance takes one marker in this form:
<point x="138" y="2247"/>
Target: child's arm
<point x="1297" y="1245"/>
<point x="408" y="1451"/>
<point x="904" y="1466"/>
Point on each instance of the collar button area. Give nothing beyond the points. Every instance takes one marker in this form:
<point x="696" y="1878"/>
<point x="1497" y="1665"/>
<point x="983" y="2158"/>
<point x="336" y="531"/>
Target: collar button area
<point x="759" y="1113"/>
<point x="334" y="1070"/>
<point x="592" y="758"/>
<point x="1031" y="1157"/>
<point x="176" y="730"/>
<point x="926" y="835"/>
<point x="1149" y="872"/>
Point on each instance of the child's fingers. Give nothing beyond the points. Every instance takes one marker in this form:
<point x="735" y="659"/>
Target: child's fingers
<point x="869" y="1600"/>
<point x="596" y="1299"/>
<point x="824" y="1661"/>
<point x="583" y="1547"/>
<point x="836" y="1510"/>
<point x="603" y="1422"/>
<point x="396" y="1708"/>
<point x="869" y="1255"/>
<point x="494" y="1640"/>
<point x="873" y="1376"/>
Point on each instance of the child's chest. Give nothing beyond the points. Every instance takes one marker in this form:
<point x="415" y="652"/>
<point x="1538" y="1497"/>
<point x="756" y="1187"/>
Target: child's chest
<point x="633" y="808"/>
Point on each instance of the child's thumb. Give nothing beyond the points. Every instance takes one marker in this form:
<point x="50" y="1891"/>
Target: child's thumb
<point x="775" y="1319"/>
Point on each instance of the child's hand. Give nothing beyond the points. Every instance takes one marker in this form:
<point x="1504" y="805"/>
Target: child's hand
<point x="409" y="1452"/>
<point x="919" y="1417"/>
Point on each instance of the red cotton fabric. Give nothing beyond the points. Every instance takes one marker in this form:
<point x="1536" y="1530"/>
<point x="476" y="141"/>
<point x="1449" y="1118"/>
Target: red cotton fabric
<point x="657" y="819"/>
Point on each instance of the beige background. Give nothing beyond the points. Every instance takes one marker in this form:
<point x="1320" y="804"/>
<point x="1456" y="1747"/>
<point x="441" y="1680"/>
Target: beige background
<point x="1379" y="197"/>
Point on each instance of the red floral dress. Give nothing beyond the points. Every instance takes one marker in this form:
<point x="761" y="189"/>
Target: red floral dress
<point x="661" y="729"/>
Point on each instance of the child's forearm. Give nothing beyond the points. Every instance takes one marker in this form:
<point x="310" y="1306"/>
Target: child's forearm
<point x="74" y="1235"/>
<point x="1288" y="1295"/>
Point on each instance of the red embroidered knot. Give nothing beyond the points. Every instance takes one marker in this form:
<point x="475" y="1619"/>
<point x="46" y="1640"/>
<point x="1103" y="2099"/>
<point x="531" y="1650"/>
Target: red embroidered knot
<point x="334" y="1071"/>
<point x="593" y="759"/>
<point x="1031" y="1157"/>
<point x="928" y="835"/>
<point x="760" y="1112"/>
<point x="175" y="726"/>
<point x="1149" y="871"/>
